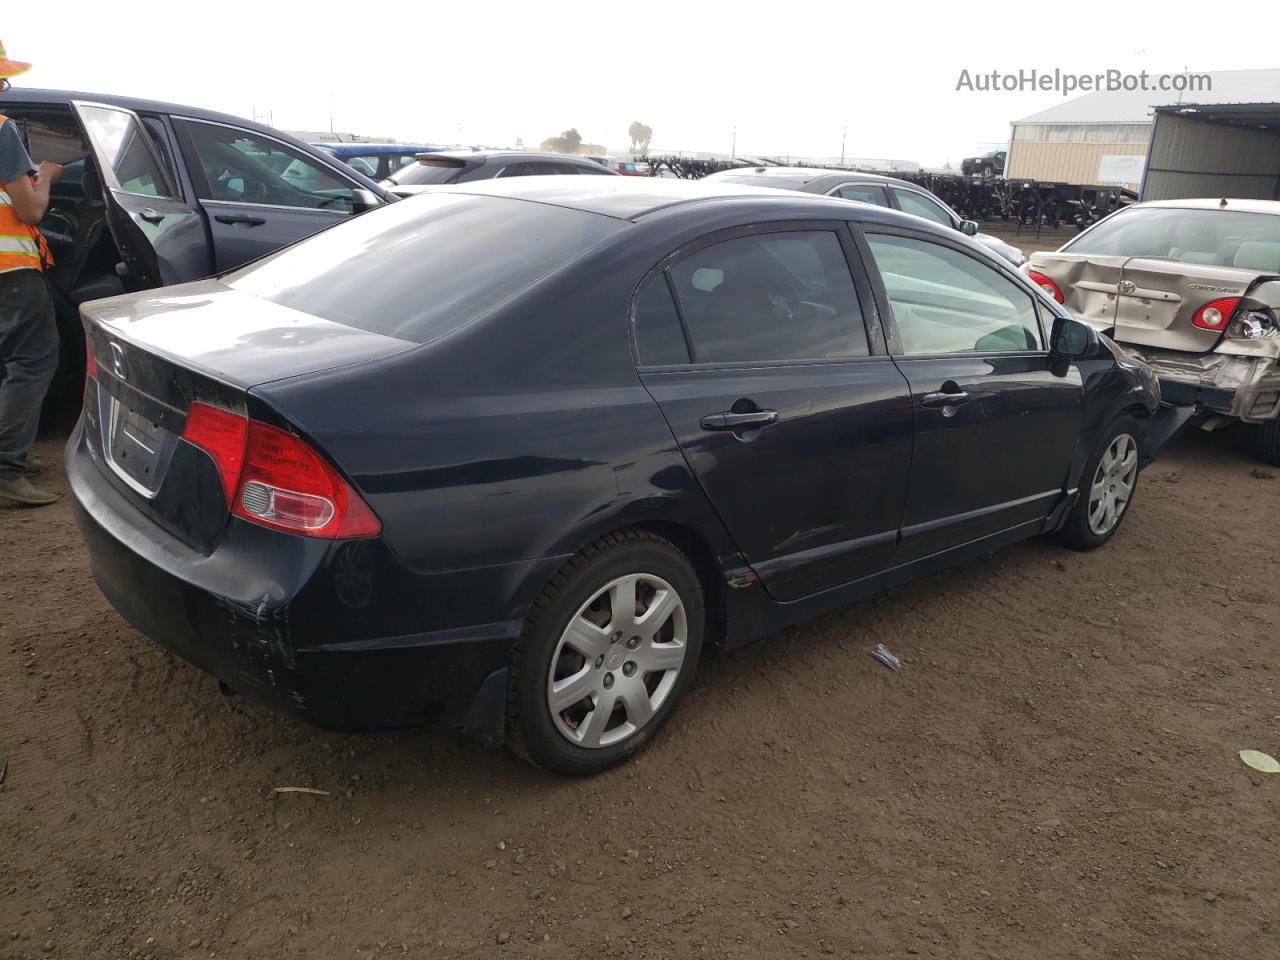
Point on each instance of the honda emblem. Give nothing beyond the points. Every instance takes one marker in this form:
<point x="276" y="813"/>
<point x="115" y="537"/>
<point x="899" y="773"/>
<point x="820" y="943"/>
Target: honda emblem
<point x="118" y="363"/>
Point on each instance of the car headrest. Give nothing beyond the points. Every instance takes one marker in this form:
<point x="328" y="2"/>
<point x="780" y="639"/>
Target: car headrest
<point x="90" y="182"/>
<point x="1258" y="255"/>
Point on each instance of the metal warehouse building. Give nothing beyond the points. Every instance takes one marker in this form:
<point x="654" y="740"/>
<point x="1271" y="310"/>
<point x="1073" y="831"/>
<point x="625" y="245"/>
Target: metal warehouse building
<point x="1220" y="141"/>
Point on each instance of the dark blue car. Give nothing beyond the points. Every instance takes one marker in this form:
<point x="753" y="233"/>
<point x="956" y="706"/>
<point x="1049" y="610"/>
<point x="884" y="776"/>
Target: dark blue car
<point x="509" y="454"/>
<point x="376" y="160"/>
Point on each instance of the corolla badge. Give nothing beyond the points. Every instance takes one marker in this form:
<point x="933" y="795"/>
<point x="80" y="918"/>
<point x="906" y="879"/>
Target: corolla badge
<point x="1127" y="286"/>
<point x="118" y="363"/>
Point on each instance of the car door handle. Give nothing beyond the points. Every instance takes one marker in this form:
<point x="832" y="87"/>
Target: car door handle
<point x="246" y="219"/>
<point x="944" y="399"/>
<point x="151" y="214"/>
<point x="736" y="421"/>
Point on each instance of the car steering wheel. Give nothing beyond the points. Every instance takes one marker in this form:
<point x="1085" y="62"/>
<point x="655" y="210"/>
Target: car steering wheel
<point x="785" y="302"/>
<point x="255" y="191"/>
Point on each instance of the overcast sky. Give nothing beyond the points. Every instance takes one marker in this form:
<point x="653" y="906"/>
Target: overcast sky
<point x="487" y="73"/>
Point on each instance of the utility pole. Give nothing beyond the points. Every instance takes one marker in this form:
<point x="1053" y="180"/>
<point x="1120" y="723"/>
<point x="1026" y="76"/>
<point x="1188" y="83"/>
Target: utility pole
<point x="733" y="151"/>
<point x="331" y="111"/>
<point x="843" y="133"/>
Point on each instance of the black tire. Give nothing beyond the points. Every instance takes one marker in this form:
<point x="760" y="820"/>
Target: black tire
<point x="1076" y="532"/>
<point x="531" y="731"/>
<point x="1266" y="442"/>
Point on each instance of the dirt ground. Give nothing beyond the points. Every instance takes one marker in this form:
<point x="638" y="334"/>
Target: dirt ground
<point x="1053" y="773"/>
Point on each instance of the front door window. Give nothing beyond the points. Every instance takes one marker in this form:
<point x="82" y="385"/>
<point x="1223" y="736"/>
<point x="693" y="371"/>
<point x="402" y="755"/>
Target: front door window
<point x="244" y="167"/>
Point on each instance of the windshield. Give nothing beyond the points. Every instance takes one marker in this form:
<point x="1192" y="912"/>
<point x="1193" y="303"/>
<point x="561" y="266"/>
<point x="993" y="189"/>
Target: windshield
<point x="1219" y="238"/>
<point x="420" y="269"/>
<point x="428" y="171"/>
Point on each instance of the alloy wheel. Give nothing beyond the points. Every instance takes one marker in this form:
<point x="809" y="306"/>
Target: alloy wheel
<point x="1113" y="483"/>
<point x="617" y="660"/>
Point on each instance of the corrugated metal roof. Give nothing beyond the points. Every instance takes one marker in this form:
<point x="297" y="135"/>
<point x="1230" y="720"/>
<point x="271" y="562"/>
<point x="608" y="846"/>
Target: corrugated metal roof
<point x="1125" y="106"/>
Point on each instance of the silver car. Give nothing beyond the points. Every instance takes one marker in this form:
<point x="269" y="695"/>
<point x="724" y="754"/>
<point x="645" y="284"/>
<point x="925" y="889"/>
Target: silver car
<point x="1193" y="288"/>
<point x="869" y="188"/>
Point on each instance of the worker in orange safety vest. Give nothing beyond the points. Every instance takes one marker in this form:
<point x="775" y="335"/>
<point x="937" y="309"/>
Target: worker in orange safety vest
<point x="28" y="331"/>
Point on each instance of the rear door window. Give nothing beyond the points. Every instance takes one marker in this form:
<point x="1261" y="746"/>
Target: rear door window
<point x="535" y="168"/>
<point x="945" y="301"/>
<point x="863" y="193"/>
<point x="659" y="335"/>
<point x="418" y="270"/>
<point x="397" y="160"/>
<point x="770" y="297"/>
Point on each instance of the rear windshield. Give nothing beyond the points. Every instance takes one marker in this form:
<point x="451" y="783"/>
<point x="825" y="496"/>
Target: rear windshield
<point x="1219" y="238"/>
<point x="423" y="267"/>
<point x="428" y="171"/>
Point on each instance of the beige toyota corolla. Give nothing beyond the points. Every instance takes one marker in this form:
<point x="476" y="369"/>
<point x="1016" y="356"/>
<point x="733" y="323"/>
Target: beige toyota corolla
<point x="1193" y="288"/>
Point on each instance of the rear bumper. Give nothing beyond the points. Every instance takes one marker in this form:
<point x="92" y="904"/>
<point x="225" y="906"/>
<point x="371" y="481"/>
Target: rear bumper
<point x="312" y="629"/>
<point x="1243" y="387"/>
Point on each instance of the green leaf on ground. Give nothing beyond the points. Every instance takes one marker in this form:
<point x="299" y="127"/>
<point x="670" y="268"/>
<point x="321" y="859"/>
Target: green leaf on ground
<point x="1260" y="761"/>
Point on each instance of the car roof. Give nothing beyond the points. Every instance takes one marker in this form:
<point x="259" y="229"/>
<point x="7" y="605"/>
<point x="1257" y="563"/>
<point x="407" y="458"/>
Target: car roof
<point x="806" y="176"/>
<point x="1216" y="203"/>
<point x="511" y="155"/>
<point x="633" y="198"/>
<point x="37" y="96"/>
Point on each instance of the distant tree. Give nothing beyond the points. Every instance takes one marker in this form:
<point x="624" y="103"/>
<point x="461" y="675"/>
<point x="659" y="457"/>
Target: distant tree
<point x="519" y="143"/>
<point x="570" y="141"/>
<point x="640" y="134"/>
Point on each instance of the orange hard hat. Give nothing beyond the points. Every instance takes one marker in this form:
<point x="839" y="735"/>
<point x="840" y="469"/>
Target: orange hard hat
<point x="10" y="68"/>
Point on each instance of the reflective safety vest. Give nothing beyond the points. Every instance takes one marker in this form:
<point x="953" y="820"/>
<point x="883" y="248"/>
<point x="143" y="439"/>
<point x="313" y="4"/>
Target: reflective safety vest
<point x="21" y="244"/>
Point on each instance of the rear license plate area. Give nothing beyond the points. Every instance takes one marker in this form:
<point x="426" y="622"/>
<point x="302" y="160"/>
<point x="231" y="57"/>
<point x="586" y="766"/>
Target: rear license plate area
<point x="138" y="448"/>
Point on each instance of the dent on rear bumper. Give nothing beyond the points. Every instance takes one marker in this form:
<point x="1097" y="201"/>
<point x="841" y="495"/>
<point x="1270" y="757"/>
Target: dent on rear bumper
<point x="340" y="635"/>
<point x="1234" y="385"/>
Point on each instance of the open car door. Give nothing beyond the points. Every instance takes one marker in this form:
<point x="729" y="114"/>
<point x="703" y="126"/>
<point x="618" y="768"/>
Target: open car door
<point x="160" y="237"/>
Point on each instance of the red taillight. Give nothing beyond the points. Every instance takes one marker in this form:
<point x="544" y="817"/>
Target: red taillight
<point x="275" y="479"/>
<point x="90" y="363"/>
<point x="222" y="436"/>
<point x="1047" y="285"/>
<point x="1216" y="314"/>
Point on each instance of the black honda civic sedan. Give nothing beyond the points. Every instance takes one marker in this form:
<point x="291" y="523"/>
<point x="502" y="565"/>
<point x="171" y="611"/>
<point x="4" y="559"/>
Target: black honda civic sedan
<point x="509" y="456"/>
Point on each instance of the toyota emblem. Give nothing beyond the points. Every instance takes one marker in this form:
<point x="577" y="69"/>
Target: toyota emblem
<point x="1128" y="286"/>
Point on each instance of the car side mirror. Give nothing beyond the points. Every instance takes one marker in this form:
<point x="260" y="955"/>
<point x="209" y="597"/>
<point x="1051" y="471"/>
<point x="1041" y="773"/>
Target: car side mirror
<point x="968" y="227"/>
<point x="363" y="199"/>
<point x="1070" y="340"/>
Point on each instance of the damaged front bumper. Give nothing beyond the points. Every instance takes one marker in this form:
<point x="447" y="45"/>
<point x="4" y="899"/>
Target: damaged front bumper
<point x="1233" y="385"/>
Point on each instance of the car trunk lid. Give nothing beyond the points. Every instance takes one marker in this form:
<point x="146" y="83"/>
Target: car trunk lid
<point x="1089" y="284"/>
<point x="157" y="354"/>
<point x="1157" y="299"/>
